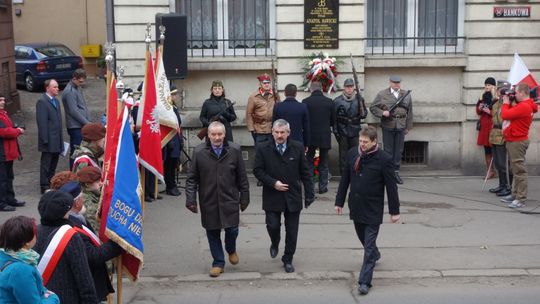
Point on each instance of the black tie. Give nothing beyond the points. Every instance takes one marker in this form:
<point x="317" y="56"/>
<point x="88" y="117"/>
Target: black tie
<point x="280" y="149"/>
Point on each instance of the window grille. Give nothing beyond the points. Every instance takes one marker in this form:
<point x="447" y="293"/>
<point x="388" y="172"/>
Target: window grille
<point x="229" y="27"/>
<point x="415" y="152"/>
<point x="414" y="26"/>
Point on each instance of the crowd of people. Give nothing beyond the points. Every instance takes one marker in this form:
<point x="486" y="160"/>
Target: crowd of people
<point x="67" y="261"/>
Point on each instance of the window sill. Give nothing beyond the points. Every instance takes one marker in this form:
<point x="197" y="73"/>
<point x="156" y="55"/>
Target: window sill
<point x="431" y="60"/>
<point x="229" y="63"/>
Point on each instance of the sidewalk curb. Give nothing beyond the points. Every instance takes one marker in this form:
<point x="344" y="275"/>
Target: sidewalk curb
<point x="343" y="275"/>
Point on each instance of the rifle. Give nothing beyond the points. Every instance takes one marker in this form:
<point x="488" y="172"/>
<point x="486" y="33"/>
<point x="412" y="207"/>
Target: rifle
<point x="362" y="110"/>
<point x="274" y="81"/>
<point x="204" y="131"/>
<point x="400" y="100"/>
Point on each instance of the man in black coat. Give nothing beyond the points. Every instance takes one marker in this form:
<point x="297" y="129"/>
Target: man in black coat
<point x="280" y="165"/>
<point x="369" y="171"/>
<point x="295" y="113"/>
<point x="49" y="124"/>
<point x="321" y="117"/>
<point x="217" y="174"/>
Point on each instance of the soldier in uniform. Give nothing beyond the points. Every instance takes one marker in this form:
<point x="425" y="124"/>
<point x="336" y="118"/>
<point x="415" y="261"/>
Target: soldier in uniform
<point x="348" y="120"/>
<point x="396" y="124"/>
<point x="260" y="107"/>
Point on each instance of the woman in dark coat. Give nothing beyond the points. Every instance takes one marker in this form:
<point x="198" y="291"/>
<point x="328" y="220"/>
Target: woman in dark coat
<point x="218" y="108"/>
<point x="483" y="110"/>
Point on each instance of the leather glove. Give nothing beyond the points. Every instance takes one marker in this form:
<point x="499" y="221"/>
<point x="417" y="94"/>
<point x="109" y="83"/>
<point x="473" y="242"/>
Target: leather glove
<point x="243" y="206"/>
<point x="308" y="202"/>
<point x="192" y="207"/>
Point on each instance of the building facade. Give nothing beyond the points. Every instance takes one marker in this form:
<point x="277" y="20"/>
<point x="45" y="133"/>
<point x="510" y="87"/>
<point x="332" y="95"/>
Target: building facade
<point x="443" y="51"/>
<point x="7" y="58"/>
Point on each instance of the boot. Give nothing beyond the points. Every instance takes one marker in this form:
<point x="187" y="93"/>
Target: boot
<point x="491" y="174"/>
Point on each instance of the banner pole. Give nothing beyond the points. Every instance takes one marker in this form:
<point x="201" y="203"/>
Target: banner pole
<point x="119" y="270"/>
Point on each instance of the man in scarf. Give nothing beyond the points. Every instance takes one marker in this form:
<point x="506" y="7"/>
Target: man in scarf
<point x="369" y="171"/>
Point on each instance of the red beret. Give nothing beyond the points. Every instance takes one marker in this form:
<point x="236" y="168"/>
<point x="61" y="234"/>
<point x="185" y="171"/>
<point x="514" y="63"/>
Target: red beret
<point x="264" y="77"/>
<point x="89" y="174"/>
<point x="93" y="131"/>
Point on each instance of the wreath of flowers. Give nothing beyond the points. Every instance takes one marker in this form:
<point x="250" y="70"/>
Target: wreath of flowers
<point x="322" y="68"/>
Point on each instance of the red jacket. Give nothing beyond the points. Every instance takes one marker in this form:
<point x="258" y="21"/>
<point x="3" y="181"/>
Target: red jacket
<point x="9" y="148"/>
<point x="519" y="118"/>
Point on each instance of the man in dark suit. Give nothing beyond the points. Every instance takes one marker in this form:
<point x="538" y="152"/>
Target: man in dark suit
<point x="280" y="165"/>
<point x="369" y="170"/>
<point x="295" y="113"/>
<point x="321" y="117"/>
<point x="49" y="124"/>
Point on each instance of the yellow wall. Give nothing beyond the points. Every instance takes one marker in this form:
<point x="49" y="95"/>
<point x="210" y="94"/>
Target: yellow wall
<point x="70" y="22"/>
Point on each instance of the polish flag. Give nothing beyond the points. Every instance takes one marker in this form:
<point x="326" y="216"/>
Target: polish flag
<point x="519" y="73"/>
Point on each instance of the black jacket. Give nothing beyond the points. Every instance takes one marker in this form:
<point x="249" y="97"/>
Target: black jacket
<point x="218" y="109"/>
<point x="366" y="195"/>
<point x="296" y="115"/>
<point x="290" y="168"/>
<point x="72" y="279"/>
<point x="321" y="117"/>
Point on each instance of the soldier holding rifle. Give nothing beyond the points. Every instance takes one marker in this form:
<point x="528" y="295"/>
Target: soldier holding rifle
<point x="394" y="107"/>
<point x="217" y="108"/>
<point x="348" y="109"/>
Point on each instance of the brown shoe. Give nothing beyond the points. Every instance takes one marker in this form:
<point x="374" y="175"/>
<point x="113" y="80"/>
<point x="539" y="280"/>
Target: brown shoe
<point x="233" y="258"/>
<point x="216" y="271"/>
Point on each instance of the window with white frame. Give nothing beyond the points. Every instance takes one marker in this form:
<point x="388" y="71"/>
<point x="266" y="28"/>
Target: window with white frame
<point x="229" y="27"/>
<point x="410" y="26"/>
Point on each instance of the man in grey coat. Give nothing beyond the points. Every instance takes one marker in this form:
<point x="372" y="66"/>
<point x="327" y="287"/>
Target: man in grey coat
<point x="49" y="124"/>
<point x="76" y="110"/>
<point x="396" y="124"/>
<point x="218" y="174"/>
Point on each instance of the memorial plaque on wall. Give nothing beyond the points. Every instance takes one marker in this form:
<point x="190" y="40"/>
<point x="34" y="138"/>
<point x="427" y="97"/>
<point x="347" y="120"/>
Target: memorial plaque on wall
<point x="321" y="24"/>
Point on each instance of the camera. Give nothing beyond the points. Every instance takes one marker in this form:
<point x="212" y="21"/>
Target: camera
<point x="510" y="93"/>
<point x="19" y="126"/>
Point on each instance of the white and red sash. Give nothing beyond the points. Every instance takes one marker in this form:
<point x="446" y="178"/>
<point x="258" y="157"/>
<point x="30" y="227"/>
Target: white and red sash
<point x="91" y="235"/>
<point x="85" y="159"/>
<point x="58" y="245"/>
<point x="54" y="251"/>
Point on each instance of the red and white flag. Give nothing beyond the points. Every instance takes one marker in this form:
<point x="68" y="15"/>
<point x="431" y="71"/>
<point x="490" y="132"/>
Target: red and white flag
<point x="150" y="141"/>
<point x="109" y="157"/>
<point x="167" y="119"/>
<point x="519" y="73"/>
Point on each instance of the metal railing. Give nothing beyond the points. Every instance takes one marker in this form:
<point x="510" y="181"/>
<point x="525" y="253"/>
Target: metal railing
<point x="414" y="45"/>
<point x="224" y="47"/>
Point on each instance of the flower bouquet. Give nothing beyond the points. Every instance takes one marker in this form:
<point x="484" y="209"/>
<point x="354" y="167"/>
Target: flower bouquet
<point x="322" y="68"/>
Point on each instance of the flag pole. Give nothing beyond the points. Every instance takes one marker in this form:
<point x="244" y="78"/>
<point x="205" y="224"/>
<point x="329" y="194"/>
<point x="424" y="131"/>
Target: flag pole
<point x="119" y="268"/>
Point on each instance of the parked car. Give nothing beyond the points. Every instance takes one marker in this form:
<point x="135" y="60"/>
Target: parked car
<point x="37" y="62"/>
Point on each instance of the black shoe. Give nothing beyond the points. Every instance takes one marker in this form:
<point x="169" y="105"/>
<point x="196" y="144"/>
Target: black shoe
<point x="148" y="199"/>
<point x="7" y="208"/>
<point x="322" y="191"/>
<point x="273" y="252"/>
<point x="497" y="189"/>
<point x="398" y="179"/>
<point x="17" y="203"/>
<point x="363" y="289"/>
<point x="288" y="267"/>
<point x="378" y="256"/>
<point x="173" y="192"/>
<point x="504" y="192"/>
<point x="159" y="197"/>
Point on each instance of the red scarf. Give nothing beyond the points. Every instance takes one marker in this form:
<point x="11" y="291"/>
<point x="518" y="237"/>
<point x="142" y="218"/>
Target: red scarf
<point x="363" y="154"/>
